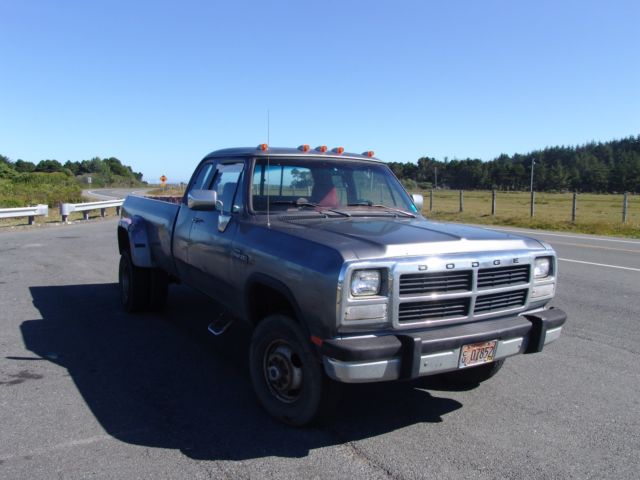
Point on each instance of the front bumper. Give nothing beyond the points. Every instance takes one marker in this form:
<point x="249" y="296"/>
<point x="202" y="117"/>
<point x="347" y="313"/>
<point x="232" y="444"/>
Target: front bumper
<point x="437" y="350"/>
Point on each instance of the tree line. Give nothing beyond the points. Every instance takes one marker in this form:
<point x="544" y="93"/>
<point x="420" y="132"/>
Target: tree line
<point x="612" y="166"/>
<point x="104" y="169"/>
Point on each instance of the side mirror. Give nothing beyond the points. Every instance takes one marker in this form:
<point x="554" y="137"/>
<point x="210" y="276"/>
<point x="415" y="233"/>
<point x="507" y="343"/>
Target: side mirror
<point x="418" y="201"/>
<point x="202" y="200"/>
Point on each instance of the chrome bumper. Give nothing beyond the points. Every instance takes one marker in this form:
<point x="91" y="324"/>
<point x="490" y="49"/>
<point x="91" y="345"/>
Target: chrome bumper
<point x="430" y="364"/>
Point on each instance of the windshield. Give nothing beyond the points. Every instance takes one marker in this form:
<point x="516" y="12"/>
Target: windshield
<point x="328" y="184"/>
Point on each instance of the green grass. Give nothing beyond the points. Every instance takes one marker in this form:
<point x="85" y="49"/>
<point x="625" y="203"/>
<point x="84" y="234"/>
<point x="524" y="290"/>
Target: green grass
<point x="595" y="214"/>
<point x="39" y="188"/>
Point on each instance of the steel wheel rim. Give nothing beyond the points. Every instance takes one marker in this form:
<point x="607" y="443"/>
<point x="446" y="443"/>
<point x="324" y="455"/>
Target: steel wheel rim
<point x="282" y="369"/>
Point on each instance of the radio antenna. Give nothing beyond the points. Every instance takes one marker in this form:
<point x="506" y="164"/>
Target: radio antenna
<point x="268" y="168"/>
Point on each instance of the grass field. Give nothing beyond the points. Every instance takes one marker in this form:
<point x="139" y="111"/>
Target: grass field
<point x="598" y="214"/>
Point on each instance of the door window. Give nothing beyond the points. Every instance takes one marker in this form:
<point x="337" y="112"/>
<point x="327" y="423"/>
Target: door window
<point x="226" y="186"/>
<point x="203" y="177"/>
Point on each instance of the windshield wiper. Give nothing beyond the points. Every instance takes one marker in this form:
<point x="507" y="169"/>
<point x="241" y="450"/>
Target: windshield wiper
<point x="390" y="209"/>
<point x="298" y="203"/>
<point x="293" y="202"/>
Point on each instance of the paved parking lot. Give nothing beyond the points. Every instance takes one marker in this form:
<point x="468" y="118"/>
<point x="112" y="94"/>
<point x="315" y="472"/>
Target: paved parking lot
<point x="88" y="391"/>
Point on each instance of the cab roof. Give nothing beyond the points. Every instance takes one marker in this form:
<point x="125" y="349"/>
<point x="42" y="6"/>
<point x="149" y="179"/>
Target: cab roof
<point x="288" y="152"/>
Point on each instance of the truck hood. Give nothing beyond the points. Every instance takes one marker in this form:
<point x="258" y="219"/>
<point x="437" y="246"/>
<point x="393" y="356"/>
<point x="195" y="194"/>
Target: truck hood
<point x="371" y="237"/>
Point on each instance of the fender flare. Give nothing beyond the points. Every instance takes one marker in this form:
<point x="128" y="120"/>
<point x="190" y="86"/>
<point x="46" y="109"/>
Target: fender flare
<point x="138" y="241"/>
<point x="278" y="286"/>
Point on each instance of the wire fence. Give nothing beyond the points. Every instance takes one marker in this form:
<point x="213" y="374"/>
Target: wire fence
<point x="554" y="207"/>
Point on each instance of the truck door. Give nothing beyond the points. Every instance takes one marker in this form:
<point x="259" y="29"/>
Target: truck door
<point x="211" y="235"/>
<point x="182" y="230"/>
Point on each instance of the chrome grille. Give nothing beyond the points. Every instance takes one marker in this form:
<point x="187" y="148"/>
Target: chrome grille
<point x="500" y="301"/>
<point x="460" y="288"/>
<point x="434" y="310"/>
<point x="435" y="282"/>
<point x="503" y="276"/>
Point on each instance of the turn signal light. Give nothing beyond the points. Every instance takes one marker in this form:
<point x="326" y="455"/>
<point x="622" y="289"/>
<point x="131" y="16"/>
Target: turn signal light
<point x="322" y="148"/>
<point x="338" y="150"/>
<point x="263" y="147"/>
<point x="304" y="148"/>
<point x="368" y="153"/>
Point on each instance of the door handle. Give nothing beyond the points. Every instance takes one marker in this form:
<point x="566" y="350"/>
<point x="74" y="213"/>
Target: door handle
<point x="197" y="220"/>
<point x="237" y="254"/>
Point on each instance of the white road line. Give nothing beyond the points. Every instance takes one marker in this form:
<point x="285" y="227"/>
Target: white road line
<point x="599" y="247"/>
<point x="600" y="264"/>
<point x="582" y="237"/>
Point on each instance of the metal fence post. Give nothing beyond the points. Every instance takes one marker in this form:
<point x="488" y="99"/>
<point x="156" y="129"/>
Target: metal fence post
<point x="573" y="207"/>
<point x="533" y="203"/>
<point x="85" y="215"/>
<point x="65" y="210"/>
<point x="32" y="219"/>
<point x="493" y="203"/>
<point x="431" y="200"/>
<point x="625" y="206"/>
<point x="461" y="201"/>
<point x="103" y="212"/>
<point x="118" y="211"/>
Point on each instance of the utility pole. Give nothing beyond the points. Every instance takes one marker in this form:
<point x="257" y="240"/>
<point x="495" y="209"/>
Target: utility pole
<point x="533" y="200"/>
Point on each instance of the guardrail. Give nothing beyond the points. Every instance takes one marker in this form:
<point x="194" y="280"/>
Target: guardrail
<point x="68" y="208"/>
<point x="31" y="212"/>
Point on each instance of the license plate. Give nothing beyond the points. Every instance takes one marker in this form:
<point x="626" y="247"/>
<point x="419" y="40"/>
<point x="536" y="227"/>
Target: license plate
<point x="477" y="353"/>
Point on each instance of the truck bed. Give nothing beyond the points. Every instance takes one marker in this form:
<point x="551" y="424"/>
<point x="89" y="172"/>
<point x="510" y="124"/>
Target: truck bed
<point x="160" y="217"/>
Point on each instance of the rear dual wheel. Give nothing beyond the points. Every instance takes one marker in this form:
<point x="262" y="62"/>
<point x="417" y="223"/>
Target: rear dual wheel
<point x="141" y="288"/>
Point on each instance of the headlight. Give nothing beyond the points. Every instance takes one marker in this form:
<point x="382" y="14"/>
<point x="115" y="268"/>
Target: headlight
<point x="542" y="267"/>
<point x="365" y="282"/>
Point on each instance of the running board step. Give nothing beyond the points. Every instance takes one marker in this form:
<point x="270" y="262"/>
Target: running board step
<point x="218" y="327"/>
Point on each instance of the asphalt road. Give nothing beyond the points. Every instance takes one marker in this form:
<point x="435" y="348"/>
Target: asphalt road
<point x="112" y="193"/>
<point x="88" y="391"/>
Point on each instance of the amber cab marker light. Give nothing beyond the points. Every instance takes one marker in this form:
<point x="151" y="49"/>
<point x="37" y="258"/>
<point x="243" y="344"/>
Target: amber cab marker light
<point x="263" y="146"/>
<point x="304" y="148"/>
<point x="338" y="150"/>
<point x="368" y="153"/>
<point x="322" y="148"/>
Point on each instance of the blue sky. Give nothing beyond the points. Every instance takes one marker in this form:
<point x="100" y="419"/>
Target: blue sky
<point x="160" y="84"/>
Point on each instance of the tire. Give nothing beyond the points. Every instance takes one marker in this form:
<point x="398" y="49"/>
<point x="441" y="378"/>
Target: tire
<point x="134" y="285"/>
<point x="158" y="289"/>
<point x="472" y="376"/>
<point x="287" y="377"/>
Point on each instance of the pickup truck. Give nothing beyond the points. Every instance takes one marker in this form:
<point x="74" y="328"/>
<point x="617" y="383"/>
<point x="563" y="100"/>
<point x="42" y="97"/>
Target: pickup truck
<point x="342" y="279"/>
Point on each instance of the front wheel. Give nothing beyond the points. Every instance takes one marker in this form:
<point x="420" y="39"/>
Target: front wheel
<point x="286" y="375"/>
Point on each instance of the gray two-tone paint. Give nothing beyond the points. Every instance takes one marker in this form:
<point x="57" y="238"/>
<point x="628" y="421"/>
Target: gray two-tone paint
<point x="310" y="256"/>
